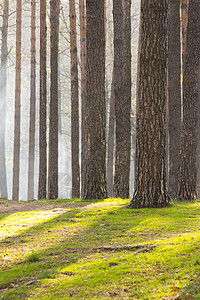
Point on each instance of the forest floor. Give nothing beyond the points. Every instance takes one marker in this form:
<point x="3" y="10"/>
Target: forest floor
<point x="74" y="249"/>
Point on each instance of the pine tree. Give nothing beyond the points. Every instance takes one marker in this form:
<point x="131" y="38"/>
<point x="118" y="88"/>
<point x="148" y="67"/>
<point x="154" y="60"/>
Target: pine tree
<point x="188" y="170"/>
<point x="53" y="119"/>
<point x="3" y="83"/>
<point x="31" y="159"/>
<point x="74" y="103"/>
<point x="82" y="18"/>
<point x="174" y="96"/>
<point x="95" y="116"/>
<point x="16" y="158"/>
<point x="122" y="94"/>
<point x="150" y="177"/>
<point x="43" y="95"/>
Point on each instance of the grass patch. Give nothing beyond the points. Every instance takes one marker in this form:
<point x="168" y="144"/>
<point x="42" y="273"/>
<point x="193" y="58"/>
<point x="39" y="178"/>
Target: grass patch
<point x="57" y="254"/>
<point x="33" y="257"/>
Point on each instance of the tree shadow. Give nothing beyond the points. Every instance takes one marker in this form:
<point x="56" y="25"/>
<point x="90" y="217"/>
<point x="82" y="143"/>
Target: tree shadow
<point x="105" y="229"/>
<point x="192" y="290"/>
<point x="4" y="216"/>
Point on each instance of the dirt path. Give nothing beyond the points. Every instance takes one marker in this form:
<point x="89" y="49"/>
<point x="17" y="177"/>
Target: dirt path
<point x="19" y="206"/>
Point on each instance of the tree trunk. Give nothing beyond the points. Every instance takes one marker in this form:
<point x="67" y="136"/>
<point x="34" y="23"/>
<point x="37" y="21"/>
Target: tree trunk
<point x="111" y="135"/>
<point x="95" y="117"/>
<point x="74" y="103"/>
<point x="188" y="170"/>
<point x="150" y="177"/>
<point x="174" y="96"/>
<point x="127" y="103"/>
<point x="31" y="159"/>
<point x="122" y="91"/>
<point x="53" y="120"/>
<point x="83" y="87"/>
<point x="184" y="23"/>
<point x="3" y="82"/>
<point x="198" y="137"/>
<point x="43" y="101"/>
<point x="16" y="158"/>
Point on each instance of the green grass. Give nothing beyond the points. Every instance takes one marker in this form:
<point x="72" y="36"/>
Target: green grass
<point x="51" y="254"/>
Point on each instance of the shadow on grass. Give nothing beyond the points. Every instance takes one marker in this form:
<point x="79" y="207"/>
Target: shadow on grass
<point x="105" y="229"/>
<point x="81" y="204"/>
<point x="192" y="290"/>
<point x="4" y="216"/>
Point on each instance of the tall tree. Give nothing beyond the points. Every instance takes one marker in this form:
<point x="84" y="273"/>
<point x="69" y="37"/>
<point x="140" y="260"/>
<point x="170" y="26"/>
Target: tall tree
<point x="16" y="158"/>
<point x="95" y="117"/>
<point x="83" y="86"/>
<point x="31" y="159"/>
<point x="188" y="170"/>
<point x="150" y="187"/>
<point x="53" y="120"/>
<point x="43" y="90"/>
<point x="3" y="82"/>
<point x="184" y="23"/>
<point x="174" y="96"/>
<point x="74" y="103"/>
<point x="122" y="92"/>
<point x="198" y="137"/>
<point x="111" y="136"/>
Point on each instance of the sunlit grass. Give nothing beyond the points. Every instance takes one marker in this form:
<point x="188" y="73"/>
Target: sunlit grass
<point x="17" y="223"/>
<point x="55" y="255"/>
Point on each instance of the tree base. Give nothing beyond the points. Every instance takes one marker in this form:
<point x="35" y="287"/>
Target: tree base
<point x="186" y="192"/>
<point x="95" y="194"/>
<point x="147" y="202"/>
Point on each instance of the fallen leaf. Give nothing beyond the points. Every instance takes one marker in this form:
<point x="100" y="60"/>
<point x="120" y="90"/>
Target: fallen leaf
<point x="175" y="296"/>
<point x="175" y="287"/>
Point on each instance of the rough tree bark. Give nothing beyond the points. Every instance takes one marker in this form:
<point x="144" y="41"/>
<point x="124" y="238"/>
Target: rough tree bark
<point x="74" y="103"/>
<point x="122" y="92"/>
<point x="174" y="96"/>
<point x="31" y="159"/>
<point x="3" y="83"/>
<point x="95" y="117"/>
<point x="16" y="158"/>
<point x="43" y="91"/>
<point x="198" y="137"/>
<point x="83" y="87"/>
<point x="53" y="119"/>
<point x="150" y="177"/>
<point x="188" y="170"/>
<point x="184" y="23"/>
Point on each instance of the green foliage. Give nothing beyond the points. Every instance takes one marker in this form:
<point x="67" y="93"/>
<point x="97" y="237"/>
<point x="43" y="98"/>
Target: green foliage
<point x="52" y="254"/>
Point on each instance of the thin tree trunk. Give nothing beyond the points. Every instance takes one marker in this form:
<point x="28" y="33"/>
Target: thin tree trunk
<point x="150" y="185"/>
<point x="118" y="90"/>
<point x="188" y="170"/>
<point x="74" y="103"/>
<point x="53" y="120"/>
<point x="111" y="135"/>
<point x="31" y="159"/>
<point x="198" y="137"/>
<point x="127" y="95"/>
<point x="95" y="117"/>
<point x="122" y="91"/>
<point x="3" y="82"/>
<point x="43" y="94"/>
<point x="174" y="95"/>
<point x="83" y="87"/>
<point x="16" y="158"/>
